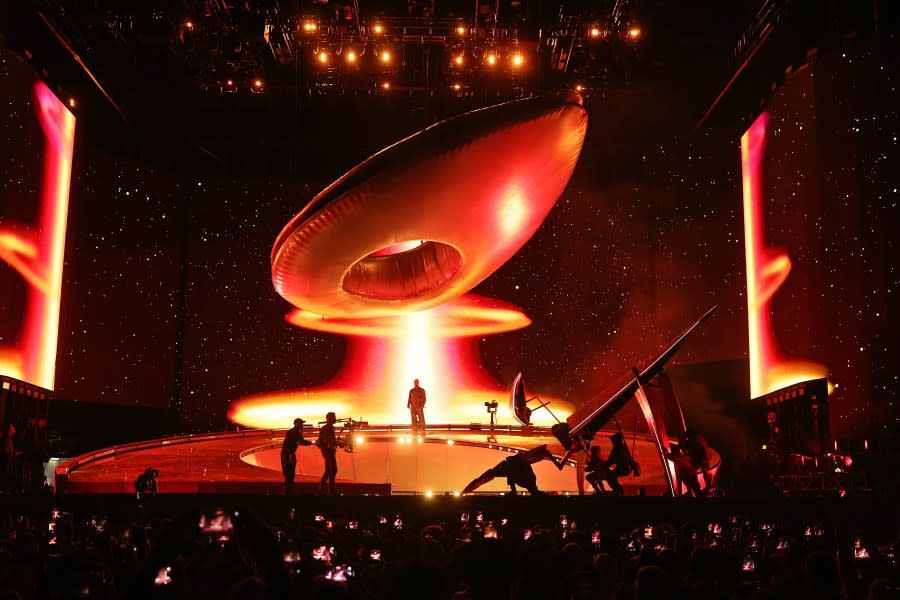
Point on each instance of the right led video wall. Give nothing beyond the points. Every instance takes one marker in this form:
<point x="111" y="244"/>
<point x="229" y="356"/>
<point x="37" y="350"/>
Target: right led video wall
<point x="818" y="198"/>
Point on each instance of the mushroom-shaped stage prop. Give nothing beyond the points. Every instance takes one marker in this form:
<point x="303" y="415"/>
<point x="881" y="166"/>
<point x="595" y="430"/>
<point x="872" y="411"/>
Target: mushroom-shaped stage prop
<point x="427" y="219"/>
<point x="416" y="227"/>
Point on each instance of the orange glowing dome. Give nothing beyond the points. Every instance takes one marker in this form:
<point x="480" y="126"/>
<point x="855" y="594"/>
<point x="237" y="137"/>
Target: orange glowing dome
<point x="471" y="190"/>
<point x="415" y="227"/>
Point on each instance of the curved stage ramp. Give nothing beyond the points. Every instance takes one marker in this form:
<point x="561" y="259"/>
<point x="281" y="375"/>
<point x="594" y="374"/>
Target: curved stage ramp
<point x="385" y="460"/>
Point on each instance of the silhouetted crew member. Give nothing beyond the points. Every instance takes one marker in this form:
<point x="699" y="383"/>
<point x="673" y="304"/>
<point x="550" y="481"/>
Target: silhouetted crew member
<point x="145" y="484"/>
<point x="327" y="444"/>
<point x="292" y="439"/>
<point x="416" y="405"/>
<point x="8" y="457"/>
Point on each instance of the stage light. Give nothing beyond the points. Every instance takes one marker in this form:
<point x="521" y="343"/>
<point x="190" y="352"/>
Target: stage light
<point x="517" y="59"/>
<point x="386" y="85"/>
<point x="257" y="83"/>
<point x="322" y="57"/>
<point x="429" y="493"/>
<point x="458" y="60"/>
<point x="71" y="102"/>
<point x="450" y="442"/>
<point x="229" y="82"/>
<point x="351" y="56"/>
<point x="491" y="59"/>
<point x="456" y="494"/>
<point x="378" y="28"/>
<point x="579" y="87"/>
<point x="634" y="33"/>
<point x="595" y="32"/>
<point x="460" y="30"/>
<point x="385" y="56"/>
<point x="310" y="26"/>
<point x="360" y="440"/>
<point x="457" y="86"/>
<point x="189" y="25"/>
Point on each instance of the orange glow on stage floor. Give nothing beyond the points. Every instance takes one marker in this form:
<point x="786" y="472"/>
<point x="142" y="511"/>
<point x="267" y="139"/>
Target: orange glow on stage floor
<point x="386" y="460"/>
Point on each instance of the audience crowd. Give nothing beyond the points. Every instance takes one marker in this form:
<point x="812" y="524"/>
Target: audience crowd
<point x="235" y="554"/>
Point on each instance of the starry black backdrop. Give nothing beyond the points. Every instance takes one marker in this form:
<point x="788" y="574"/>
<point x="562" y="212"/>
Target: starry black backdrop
<point x="168" y="299"/>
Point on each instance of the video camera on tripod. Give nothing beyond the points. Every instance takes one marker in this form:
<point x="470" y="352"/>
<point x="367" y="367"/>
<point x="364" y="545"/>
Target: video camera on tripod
<point x="346" y="435"/>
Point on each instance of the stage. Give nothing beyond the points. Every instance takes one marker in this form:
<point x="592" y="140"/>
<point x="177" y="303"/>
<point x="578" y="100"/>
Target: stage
<point x="385" y="460"/>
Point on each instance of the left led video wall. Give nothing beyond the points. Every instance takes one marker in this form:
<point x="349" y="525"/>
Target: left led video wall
<point x="37" y="135"/>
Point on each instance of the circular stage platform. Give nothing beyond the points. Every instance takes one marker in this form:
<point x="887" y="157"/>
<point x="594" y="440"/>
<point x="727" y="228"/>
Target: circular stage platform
<point x="385" y="460"/>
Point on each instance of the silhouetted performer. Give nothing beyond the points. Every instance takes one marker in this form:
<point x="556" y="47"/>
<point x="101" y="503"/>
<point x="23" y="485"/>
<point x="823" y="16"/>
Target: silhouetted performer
<point x="695" y="449"/>
<point x="581" y="459"/>
<point x="327" y="444"/>
<point x="518" y="471"/>
<point x="595" y="467"/>
<point x="685" y="473"/>
<point x="416" y="405"/>
<point x="292" y="439"/>
<point x="619" y="464"/>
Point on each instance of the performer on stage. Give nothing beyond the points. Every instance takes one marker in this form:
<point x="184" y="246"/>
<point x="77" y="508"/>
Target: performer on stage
<point x="518" y="471"/>
<point x="595" y="467"/>
<point x="327" y="444"/>
<point x="692" y="456"/>
<point x="416" y="405"/>
<point x="292" y="439"/>
<point x="619" y="464"/>
<point x="581" y="461"/>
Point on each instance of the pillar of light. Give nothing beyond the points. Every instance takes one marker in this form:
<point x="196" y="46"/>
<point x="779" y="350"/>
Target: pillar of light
<point x="767" y="270"/>
<point x="416" y="360"/>
<point x="439" y="347"/>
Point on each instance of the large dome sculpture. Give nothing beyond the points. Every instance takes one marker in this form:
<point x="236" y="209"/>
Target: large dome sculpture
<point x="387" y="253"/>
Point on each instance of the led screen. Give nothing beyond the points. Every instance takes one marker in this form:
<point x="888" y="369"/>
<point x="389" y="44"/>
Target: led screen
<point x="817" y="199"/>
<point x="34" y="200"/>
